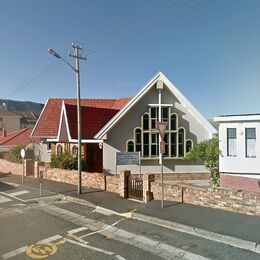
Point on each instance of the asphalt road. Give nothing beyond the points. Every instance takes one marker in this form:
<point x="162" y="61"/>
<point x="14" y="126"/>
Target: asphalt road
<point x="67" y="230"/>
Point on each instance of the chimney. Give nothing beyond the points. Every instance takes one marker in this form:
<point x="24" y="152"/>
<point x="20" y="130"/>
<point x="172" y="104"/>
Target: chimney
<point x="3" y="106"/>
<point x="4" y="132"/>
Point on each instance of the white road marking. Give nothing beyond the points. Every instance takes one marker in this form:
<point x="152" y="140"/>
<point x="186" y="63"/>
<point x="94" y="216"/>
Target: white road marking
<point x="119" y="257"/>
<point x="4" y="199"/>
<point x="47" y="240"/>
<point x="50" y="239"/>
<point x="14" y="253"/>
<point x="90" y="247"/>
<point x="21" y="192"/>
<point x="76" y="230"/>
<point x="101" y="230"/>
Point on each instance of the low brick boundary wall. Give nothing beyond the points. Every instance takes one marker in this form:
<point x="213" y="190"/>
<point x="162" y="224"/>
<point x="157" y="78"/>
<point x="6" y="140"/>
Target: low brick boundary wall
<point x="218" y="198"/>
<point x="10" y="167"/>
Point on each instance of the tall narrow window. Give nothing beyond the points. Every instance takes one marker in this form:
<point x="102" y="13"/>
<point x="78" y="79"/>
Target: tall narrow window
<point x="188" y="145"/>
<point x="138" y="140"/>
<point x="165" y="115"/>
<point x="166" y="141"/>
<point x="231" y="142"/>
<point x="155" y="144"/>
<point x="59" y="149"/>
<point x="173" y="144"/>
<point x="250" y="142"/>
<point x="75" y="150"/>
<point x="145" y="122"/>
<point x="181" y="142"/>
<point x="154" y="117"/>
<point x="146" y="145"/>
<point x="130" y="146"/>
<point x="173" y="122"/>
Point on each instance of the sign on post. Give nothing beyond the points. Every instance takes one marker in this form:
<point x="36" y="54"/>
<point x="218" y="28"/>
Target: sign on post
<point x="130" y="158"/>
<point x="161" y="126"/>
<point x="22" y="155"/>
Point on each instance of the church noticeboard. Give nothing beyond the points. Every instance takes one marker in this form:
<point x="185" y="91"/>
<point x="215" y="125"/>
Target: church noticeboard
<point x="130" y="158"/>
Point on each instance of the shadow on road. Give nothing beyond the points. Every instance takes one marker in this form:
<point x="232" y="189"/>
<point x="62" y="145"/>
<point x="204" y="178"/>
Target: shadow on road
<point x="5" y="186"/>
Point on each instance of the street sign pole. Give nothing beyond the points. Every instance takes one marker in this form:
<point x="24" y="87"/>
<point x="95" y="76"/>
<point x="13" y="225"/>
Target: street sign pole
<point x="161" y="126"/>
<point x="22" y="155"/>
<point x="162" y="180"/>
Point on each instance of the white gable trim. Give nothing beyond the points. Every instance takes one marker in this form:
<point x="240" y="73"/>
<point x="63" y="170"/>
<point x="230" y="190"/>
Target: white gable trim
<point x="184" y="101"/>
<point x="63" y="112"/>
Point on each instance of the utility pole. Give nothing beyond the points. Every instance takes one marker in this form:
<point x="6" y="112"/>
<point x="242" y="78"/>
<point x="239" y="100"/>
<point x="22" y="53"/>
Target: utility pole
<point x="78" y="57"/>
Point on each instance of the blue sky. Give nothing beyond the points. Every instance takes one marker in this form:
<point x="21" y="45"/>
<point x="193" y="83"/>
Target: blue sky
<point x="209" y="49"/>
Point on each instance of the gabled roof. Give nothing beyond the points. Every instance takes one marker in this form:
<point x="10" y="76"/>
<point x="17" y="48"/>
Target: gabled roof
<point x="47" y="125"/>
<point x="92" y="119"/>
<point x="19" y="137"/>
<point x="182" y="99"/>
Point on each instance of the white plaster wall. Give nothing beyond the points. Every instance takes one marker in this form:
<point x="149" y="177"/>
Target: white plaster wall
<point x="123" y="131"/>
<point x="240" y="163"/>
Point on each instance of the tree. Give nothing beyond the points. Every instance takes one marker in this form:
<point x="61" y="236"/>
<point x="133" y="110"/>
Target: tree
<point x="208" y="152"/>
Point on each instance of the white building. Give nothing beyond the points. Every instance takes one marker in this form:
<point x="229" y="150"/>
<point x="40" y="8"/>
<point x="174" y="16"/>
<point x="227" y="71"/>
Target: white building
<point x="239" y="164"/>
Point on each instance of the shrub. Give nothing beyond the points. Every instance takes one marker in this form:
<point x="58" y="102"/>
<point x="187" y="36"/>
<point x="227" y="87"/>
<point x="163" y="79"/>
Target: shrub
<point x="66" y="161"/>
<point x="208" y="151"/>
<point x="15" y="154"/>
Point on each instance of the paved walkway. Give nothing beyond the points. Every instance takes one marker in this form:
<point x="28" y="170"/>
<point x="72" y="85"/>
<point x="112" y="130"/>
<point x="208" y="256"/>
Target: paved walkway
<point x="214" y="220"/>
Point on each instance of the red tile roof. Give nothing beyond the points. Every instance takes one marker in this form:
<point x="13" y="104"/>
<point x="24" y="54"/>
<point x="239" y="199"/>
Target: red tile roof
<point x="18" y="137"/>
<point x="92" y="118"/>
<point x="48" y="123"/>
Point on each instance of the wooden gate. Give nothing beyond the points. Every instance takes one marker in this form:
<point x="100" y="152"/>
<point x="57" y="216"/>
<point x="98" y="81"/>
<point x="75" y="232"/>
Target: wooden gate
<point x="135" y="188"/>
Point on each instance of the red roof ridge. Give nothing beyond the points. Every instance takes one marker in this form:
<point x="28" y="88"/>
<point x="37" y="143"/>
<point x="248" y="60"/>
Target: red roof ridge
<point x="12" y="135"/>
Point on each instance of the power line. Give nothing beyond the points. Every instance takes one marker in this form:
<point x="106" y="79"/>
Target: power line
<point x="136" y="28"/>
<point x="130" y="26"/>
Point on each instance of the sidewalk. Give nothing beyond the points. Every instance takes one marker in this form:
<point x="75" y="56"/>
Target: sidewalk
<point x="226" y="223"/>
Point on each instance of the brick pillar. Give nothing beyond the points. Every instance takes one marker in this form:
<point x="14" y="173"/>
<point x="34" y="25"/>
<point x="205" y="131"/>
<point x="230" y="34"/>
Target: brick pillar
<point x="123" y="183"/>
<point x="28" y="167"/>
<point x="36" y="169"/>
<point x="147" y="179"/>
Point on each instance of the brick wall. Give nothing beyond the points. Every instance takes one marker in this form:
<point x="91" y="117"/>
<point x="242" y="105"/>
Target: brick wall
<point x="9" y="167"/>
<point x="183" y="176"/>
<point x="112" y="183"/>
<point x="219" y="198"/>
<point x="240" y="183"/>
<point x="94" y="180"/>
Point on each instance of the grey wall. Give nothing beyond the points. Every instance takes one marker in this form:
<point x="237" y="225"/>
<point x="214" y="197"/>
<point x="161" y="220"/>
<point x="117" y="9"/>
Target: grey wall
<point x="123" y="131"/>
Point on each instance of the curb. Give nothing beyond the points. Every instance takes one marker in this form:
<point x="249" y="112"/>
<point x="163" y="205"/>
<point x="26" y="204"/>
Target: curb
<point x="232" y="241"/>
<point x="44" y="199"/>
<point x="77" y="200"/>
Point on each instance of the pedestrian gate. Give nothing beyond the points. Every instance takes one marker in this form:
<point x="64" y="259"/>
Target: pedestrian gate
<point x="135" y="188"/>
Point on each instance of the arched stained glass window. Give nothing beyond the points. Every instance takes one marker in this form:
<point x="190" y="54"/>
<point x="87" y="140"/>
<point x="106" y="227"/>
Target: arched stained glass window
<point x="130" y="146"/>
<point x="188" y="145"/>
<point x="145" y="122"/>
<point x="138" y="140"/>
<point x="173" y="122"/>
<point x="181" y="142"/>
<point x="75" y="150"/>
<point x="59" y="149"/>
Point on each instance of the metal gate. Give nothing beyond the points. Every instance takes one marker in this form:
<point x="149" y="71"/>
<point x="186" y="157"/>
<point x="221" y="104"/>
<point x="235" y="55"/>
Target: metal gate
<point x="135" y="188"/>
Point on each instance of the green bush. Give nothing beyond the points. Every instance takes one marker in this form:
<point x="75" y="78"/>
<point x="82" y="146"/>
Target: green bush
<point x="66" y="161"/>
<point x="208" y="151"/>
<point x="15" y="154"/>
